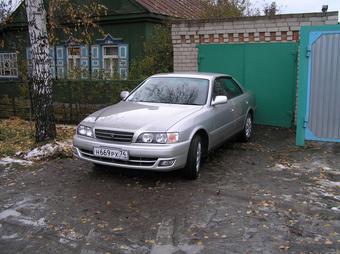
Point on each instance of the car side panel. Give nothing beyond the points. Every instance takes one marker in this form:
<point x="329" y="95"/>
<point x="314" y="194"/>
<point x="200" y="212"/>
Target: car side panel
<point x="243" y="104"/>
<point x="223" y="118"/>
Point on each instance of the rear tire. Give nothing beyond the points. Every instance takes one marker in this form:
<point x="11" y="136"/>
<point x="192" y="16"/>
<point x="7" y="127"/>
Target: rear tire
<point x="194" y="160"/>
<point x="247" y="131"/>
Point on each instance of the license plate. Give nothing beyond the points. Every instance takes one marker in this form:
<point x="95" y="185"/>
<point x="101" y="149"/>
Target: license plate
<point x="111" y="153"/>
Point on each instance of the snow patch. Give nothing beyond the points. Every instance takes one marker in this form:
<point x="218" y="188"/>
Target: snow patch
<point x="48" y="150"/>
<point x="7" y="237"/>
<point x="30" y="222"/>
<point x="40" y="153"/>
<point x="329" y="184"/>
<point x="280" y="167"/>
<point x="336" y="209"/>
<point x="13" y="215"/>
<point x="8" y="160"/>
<point x="8" y="213"/>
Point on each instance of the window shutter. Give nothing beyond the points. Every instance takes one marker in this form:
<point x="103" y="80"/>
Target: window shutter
<point x="123" y="54"/>
<point x="123" y="51"/>
<point x="61" y="61"/>
<point x="84" y="61"/>
<point x="95" y="61"/>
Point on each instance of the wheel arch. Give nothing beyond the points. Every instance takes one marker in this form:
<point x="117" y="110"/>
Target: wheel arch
<point x="205" y="138"/>
<point x="252" y="113"/>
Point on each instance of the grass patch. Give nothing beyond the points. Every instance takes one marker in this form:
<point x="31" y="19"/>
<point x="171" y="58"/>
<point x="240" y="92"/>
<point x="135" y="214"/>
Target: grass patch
<point x="18" y="135"/>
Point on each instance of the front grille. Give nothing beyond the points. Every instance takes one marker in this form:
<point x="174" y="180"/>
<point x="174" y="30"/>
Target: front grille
<point x="117" y="136"/>
<point x="133" y="161"/>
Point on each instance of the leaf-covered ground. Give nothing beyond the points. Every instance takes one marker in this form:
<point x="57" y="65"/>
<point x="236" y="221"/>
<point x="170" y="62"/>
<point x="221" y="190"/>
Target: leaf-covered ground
<point x="17" y="135"/>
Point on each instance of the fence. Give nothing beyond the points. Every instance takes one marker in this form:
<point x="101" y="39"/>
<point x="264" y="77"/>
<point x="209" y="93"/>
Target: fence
<point x="73" y="99"/>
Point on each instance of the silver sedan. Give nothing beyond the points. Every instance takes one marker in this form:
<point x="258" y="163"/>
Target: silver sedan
<point x="169" y="122"/>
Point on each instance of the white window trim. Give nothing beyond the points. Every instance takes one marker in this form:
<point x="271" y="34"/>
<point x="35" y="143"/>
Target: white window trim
<point x="16" y="66"/>
<point x="110" y="57"/>
<point x="73" y="58"/>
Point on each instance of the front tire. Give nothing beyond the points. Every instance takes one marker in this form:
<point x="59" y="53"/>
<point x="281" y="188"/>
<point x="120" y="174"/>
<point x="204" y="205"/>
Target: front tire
<point x="247" y="131"/>
<point x="194" y="160"/>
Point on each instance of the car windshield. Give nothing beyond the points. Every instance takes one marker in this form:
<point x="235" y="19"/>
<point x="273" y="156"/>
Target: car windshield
<point x="176" y="90"/>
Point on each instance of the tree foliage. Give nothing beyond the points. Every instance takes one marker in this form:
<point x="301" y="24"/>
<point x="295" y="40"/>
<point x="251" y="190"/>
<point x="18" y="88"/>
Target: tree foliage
<point x="77" y="20"/>
<point x="229" y="8"/>
<point x="271" y="9"/>
<point x="158" y="53"/>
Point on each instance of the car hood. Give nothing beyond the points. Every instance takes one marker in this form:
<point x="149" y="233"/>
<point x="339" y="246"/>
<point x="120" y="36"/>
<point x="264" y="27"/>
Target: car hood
<point x="132" y="116"/>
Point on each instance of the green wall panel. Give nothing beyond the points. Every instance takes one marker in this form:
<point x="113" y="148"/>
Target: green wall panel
<point x="266" y="69"/>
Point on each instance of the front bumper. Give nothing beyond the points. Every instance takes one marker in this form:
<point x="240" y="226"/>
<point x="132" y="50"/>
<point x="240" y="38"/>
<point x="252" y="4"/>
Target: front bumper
<point x="141" y="156"/>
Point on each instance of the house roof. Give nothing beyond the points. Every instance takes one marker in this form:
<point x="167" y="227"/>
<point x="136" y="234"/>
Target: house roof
<point x="175" y="8"/>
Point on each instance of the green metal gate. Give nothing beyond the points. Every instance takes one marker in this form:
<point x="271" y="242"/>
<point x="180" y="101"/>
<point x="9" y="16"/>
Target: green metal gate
<point x="266" y="69"/>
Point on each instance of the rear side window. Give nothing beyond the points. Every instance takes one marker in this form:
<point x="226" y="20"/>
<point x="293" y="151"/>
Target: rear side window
<point x="219" y="88"/>
<point x="233" y="88"/>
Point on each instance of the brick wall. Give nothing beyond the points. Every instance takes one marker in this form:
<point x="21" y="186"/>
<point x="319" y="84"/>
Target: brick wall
<point x="281" y="28"/>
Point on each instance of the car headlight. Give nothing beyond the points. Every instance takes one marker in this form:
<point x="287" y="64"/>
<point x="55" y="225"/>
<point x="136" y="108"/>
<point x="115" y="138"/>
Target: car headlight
<point x="158" y="138"/>
<point x="85" y="131"/>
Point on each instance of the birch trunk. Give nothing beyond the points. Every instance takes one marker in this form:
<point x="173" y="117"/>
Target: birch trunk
<point x="41" y="74"/>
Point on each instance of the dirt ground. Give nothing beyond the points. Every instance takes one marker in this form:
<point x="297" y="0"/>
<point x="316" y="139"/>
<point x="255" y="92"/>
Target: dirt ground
<point x="267" y="196"/>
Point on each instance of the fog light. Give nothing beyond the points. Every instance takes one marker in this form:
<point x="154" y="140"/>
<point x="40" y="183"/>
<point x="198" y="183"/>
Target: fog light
<point x="166" y="163"/>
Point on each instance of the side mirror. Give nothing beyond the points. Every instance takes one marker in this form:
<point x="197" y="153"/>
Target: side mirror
<point x="124" y="94"/>
<point x="219" y="100"/>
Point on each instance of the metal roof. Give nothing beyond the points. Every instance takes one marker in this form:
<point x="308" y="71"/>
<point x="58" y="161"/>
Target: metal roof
<point x="175" y="8"/>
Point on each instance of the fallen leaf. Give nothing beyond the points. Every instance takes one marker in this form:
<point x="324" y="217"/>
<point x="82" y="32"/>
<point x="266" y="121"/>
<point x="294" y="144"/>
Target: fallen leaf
<point x="117" y="229"/>
<point x="328" y="242"/>
<point x="150" y="241"/>
<point x="284" y="247"/>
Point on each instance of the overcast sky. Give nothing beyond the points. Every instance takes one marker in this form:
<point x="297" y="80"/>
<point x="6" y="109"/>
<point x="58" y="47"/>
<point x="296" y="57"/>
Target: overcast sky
<point x="298" y="6"/>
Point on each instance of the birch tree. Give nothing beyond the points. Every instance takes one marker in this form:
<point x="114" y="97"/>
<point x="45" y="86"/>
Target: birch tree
<point x="75" y="21"/>
<point x="41" y="89"/>
<point x="5" y="9"/>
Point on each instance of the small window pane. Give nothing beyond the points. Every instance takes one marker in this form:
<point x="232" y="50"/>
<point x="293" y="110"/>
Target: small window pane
<point x="8" y="65"/>
<point x="123" y="52"/>
<point x="74" y="51"/>
<point x="110" y="51"/>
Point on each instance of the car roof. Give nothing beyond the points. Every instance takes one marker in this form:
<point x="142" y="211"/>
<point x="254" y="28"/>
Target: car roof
<point x="204" y="75"/>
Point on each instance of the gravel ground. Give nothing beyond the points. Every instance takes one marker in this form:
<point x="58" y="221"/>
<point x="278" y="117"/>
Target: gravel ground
<point x="266" y="196"/>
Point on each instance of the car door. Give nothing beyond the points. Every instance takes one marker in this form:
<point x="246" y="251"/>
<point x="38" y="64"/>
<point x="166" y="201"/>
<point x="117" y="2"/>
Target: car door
<point x="240" y="104"/>
<point x="222" y="114"/>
